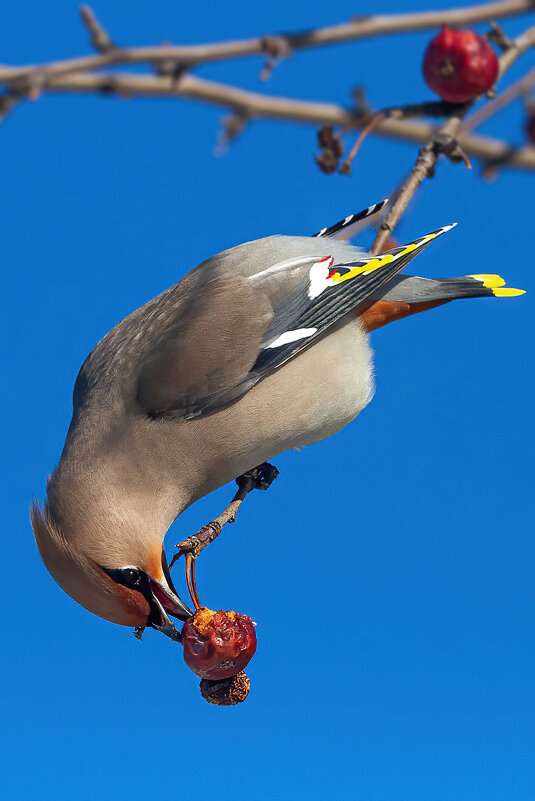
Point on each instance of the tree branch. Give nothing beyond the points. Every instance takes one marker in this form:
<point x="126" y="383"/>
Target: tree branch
<point x="188" y="56"/>
<point x="254" y="105"/>
<point x="73" y="76"/>
<point x="100" y="38"/>
<point x="443" y="140"/>
<point x="518" y="89"/>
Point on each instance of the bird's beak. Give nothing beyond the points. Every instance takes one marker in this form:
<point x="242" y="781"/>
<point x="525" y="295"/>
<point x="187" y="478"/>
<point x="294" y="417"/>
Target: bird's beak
<point x="166" y="601"/>
<point x="159" y="593"/>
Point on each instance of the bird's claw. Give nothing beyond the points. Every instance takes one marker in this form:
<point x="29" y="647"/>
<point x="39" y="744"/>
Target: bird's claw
<point x="266" y="475"/>
<point x="260" y="478"/>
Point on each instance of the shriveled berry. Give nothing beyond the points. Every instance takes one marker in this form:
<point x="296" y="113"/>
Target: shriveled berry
<point x="218" y="645"/>
<point x="332" y="149"/>
<point x="459" y="65"/>
<point x="226" y="692"/>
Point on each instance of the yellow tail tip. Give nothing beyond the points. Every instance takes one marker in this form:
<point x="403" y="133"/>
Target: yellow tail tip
<point x="489" y="281"/>
<point x="508" y="292"/>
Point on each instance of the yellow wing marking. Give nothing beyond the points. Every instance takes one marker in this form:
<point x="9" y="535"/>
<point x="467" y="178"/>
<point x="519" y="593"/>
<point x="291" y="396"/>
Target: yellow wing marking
<point x="383" y="260"/>
<point x="508" y="292"/>
<point x="496" y="282"/>
<point x="489" y="281"/>
<point x="364" y="269"/>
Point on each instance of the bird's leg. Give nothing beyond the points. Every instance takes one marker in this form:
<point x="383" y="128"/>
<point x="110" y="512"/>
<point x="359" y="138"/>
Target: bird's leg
<point x="261" y="478"/>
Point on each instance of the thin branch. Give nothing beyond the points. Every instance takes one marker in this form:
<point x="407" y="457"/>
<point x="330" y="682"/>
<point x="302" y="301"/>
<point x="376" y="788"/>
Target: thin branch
<point x="499" y="37"/>
<point x="442" y="141"/>
<point x="58" y="77"/>
<point x="372" y="123"/>
<point x="100" y="38"/>
<point x="518" y="89"/>
<point x="254" y="105"/>
<point x="191" y="55"/>
<point x="423" y="168"/>
<point x="332" y="149"/>
<point x="7" y="103"/>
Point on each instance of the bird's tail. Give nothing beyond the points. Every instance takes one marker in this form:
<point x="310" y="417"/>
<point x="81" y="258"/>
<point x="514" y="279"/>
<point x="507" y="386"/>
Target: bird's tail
<point x="411" y="289"/>
<point x="404" y="295"/>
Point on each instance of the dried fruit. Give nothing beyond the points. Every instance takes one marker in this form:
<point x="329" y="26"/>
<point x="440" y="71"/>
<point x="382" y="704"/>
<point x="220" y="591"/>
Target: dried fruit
<point x="226" y="692"/>
<point x="459" y="65"/>
<point x="332" y="149"/>
<point x="218" y="645"/>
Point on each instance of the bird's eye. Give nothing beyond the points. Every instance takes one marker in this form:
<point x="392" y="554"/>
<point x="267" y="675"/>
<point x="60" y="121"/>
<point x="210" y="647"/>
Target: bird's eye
<point x="130" y="576"/>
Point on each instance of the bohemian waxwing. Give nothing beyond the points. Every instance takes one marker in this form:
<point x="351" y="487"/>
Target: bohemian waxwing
<point x="259" y="349"/>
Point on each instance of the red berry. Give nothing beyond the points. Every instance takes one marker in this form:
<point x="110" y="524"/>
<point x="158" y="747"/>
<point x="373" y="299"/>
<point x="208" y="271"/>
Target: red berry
<point x="218" y="645"/>
<point x="459" y="65"/>
<point x="530" y="128"/>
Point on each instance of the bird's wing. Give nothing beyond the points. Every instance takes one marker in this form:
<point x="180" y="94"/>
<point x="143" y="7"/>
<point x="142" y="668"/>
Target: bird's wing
<point x="355" y="223"/>
<point x="238" y="329"/>
<point x="206" y="349"/>
<point x="332" y="292"/>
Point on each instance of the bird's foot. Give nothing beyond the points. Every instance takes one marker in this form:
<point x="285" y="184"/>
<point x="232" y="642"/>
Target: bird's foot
<point x="260" y="478"/>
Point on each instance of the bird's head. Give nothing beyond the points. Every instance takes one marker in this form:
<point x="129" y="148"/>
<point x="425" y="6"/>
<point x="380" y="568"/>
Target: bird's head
<point x="130" y="586"/>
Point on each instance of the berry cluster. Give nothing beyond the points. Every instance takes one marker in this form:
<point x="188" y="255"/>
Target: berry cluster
<point x="217" y="647"/>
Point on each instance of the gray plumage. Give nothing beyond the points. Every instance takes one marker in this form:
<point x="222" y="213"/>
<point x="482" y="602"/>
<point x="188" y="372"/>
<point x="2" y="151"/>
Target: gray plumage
<point x="257" y="350"/>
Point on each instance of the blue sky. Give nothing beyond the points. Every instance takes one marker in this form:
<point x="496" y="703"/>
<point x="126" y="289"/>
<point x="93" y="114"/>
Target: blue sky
<point x="396" y="655"/>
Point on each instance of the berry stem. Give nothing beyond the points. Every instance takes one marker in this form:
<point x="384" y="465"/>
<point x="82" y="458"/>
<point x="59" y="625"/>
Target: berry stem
<point x="345" y="169"/>
<point x="191" y="582"/>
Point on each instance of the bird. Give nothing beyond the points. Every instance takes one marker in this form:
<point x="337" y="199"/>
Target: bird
<point x="259" y="349"/>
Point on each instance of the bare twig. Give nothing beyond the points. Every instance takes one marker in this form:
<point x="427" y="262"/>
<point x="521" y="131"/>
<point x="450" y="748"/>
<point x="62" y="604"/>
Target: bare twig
<point x="499" y="37"/>
<point x="7" y="103"/>
<point x="423" y="167"/>
<point x="190" y="55"/>
<point x="517" y="47"/>
<point x="372" y="123"/>
<point x="275" y="49"/>
<point x="100" y="38"/>
<point x="231" y="127"/>
<point x="519" y="89"/>
<point x="73" y="75"/>
<point x="442" y="141"/>
<point x="254" y="105"/>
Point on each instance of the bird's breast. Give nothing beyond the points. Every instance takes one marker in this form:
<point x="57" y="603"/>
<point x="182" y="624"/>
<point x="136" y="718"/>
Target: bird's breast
<point x="309" y="398"/>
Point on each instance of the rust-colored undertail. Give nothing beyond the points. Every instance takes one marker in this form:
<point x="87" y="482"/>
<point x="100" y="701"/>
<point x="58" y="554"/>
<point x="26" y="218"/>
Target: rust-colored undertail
<point x="387" y="311"/>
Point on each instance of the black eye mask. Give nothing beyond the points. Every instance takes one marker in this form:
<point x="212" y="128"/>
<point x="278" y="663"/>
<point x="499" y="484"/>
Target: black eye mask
<point x="135" y="579"/>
